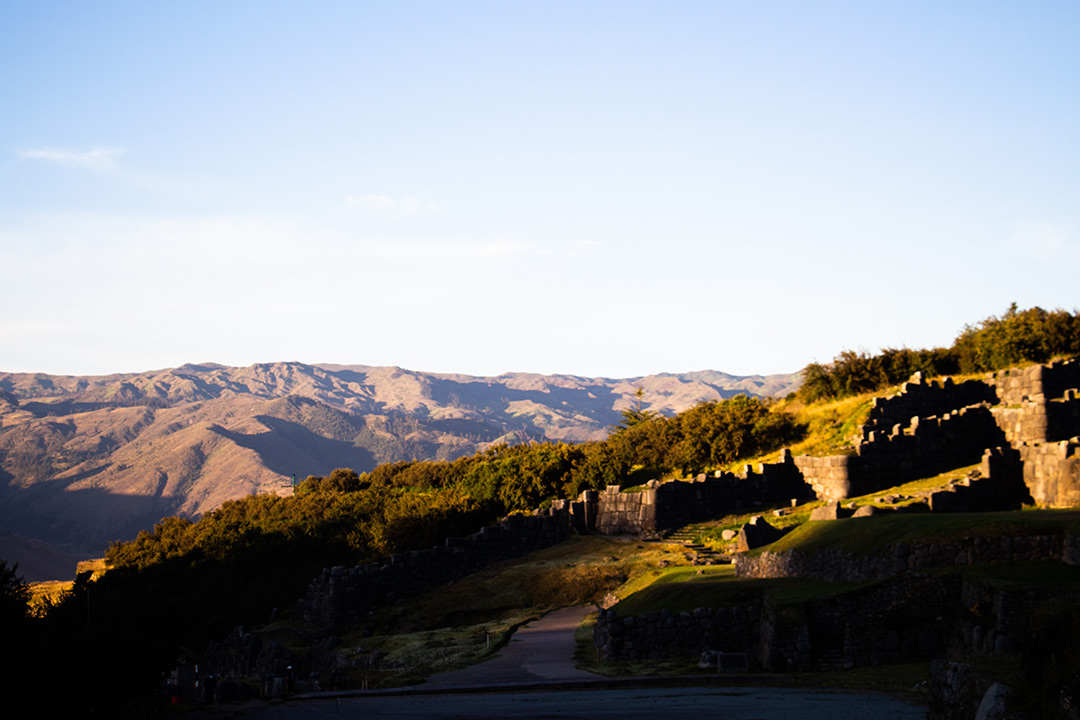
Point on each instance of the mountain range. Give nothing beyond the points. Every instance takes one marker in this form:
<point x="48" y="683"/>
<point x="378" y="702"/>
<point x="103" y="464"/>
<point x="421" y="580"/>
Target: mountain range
<point x="85" y="460"/>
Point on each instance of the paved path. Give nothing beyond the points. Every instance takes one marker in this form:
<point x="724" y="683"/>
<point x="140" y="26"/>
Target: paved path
<point x="541" y="650"/>
<point x="687" y="703"/>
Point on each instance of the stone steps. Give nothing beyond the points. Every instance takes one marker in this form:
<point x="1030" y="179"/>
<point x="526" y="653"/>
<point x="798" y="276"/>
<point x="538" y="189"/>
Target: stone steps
<point x="703" y="555"/>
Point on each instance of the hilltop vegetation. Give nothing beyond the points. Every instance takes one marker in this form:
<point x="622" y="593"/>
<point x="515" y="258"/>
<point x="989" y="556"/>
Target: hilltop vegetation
<point x="1016" y="338"/>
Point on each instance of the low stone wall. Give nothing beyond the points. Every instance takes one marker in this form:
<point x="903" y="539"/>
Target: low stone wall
<point x="660" y="635"/>
<point x="1052" y="472"/>
<point x="910" y="616"/>
<point x="839" y="566"/>
<point x="341" y="597"/>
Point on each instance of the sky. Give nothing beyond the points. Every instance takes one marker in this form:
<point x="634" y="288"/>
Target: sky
<point x="591" y="188"/>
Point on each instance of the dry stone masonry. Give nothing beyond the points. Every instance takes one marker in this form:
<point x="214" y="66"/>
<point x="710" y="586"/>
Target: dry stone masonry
<point x="932" y="427"/>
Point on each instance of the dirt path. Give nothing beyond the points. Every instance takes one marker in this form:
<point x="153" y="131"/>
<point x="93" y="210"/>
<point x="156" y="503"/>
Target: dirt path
<point x="541" y="650"/>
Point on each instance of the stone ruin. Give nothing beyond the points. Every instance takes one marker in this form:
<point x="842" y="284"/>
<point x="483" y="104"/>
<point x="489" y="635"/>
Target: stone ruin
<point x="1029" y="418"/>
<point x="1021" y="424"/>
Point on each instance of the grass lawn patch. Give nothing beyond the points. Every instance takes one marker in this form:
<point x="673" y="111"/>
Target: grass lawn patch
<point x="686" y="589"/>
<point x="871" y="535"/>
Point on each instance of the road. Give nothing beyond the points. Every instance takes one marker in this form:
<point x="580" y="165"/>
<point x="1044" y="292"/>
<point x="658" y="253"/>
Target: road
<point x="730" y="703"/>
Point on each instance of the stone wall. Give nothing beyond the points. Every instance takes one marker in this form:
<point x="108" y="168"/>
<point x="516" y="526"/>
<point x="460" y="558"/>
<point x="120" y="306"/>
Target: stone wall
<point x="659" y="506"/>
<point x="838" y="566"/>
<point x="920" y="398"/>
<point x="1052" y="472"/>
<point x="1039" y="403"/>
<point x="831" y="477"/>
<point x="930" y="427"/>
<point x="906" y="617"/>
<point x="619" y="513"/>
<point x="341" y="597"/>
<point x="922" y="448"/>
<point x="659" y="635"/>
<point x="1014" y="385"/>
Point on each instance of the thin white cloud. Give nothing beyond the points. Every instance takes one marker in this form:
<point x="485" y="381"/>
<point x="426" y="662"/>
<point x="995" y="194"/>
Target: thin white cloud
<point x="384" y="206"/>
<point x="98" y="159"/>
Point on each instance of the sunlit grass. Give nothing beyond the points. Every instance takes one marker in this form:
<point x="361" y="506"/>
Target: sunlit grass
<point x="42" y="594"/>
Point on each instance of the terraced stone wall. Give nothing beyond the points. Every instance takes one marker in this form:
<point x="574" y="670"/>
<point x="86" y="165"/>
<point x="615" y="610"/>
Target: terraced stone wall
<point x="921" y="399"/>
<point x="923" y="448"/>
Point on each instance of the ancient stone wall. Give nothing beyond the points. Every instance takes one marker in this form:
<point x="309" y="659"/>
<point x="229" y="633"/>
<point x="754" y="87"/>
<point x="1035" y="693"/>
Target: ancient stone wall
<point x="831" y="477"/>
<point x="906" y="617"/>
<point x="923" y="399"/>
<point x="922" y="448"/>
<point x="619" y="512"/>
<point x="839" y="566"/>
<point x="1014" y="385"/>
<point x="659" y="506"/>
<point x="659" y="635"/>
<point x="932" y="427"/>
<point x="341" y="597"/>
<point x="1052" y="472"/>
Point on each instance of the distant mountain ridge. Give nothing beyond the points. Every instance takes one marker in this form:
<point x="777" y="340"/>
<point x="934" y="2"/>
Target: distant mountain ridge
<point x="88" y="459"/>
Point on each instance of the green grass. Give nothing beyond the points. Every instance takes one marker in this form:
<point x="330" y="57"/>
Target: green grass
<point x="684" y="589"/>
<point x="1048" y="576"/>
<point x="867" y="536"/>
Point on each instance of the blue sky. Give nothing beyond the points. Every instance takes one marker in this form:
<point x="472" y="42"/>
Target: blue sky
<point x="595" y="188"/>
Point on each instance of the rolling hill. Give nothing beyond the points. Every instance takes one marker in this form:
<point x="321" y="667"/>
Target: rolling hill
<point x="87" y="460"/>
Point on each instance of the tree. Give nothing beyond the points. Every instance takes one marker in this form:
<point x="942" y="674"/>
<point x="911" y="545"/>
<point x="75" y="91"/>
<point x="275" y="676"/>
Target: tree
<point x="636" y="414"/>
<point x="14" y="596"/>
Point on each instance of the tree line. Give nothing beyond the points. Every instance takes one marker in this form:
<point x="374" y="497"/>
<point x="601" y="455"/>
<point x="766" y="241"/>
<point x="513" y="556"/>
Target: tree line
<point x="1016" y="338"/>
